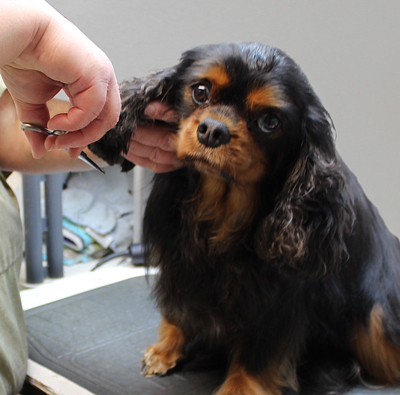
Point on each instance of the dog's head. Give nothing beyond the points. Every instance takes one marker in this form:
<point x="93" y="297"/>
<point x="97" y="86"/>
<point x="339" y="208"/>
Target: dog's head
<point x="246" y="111"/>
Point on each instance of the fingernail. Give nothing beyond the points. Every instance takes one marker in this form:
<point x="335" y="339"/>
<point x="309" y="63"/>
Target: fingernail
<point x="49" y="145"/>
<point x="170" y="116"/>
<point x="178" y="165"/>
<point x="150" y="111"/>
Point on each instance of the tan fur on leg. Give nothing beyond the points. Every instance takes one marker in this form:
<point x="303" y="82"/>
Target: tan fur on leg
<point x="379" y="357"/>
<point x="241" y="382"/>
<point x="162" y="356"/>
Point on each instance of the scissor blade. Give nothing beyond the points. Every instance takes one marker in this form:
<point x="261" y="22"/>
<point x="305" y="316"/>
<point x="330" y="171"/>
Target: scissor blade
<point x="82" y="156"/>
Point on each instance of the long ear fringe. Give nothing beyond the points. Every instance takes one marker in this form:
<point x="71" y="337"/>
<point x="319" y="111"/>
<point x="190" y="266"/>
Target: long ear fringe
<point x="135" y="95"/>
<point x="305" y="234"/>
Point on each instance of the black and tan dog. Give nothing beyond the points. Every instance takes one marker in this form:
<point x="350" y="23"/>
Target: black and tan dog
<point x="266" y="242"/>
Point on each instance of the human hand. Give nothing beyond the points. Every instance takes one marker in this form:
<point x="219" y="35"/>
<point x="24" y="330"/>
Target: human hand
<point x="42" y="53"/>
<point x="153" y="145"/>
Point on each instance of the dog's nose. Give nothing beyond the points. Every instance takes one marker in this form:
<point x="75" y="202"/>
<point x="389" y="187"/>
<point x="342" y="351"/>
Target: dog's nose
<point x="213" y="133"/>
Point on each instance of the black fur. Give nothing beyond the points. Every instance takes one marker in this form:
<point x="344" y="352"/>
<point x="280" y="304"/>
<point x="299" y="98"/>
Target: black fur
<point x="315" y="259"/>
<point x="135" y="95"/>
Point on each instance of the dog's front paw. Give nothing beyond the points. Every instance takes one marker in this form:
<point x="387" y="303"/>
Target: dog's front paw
<point x="157" y="361"/>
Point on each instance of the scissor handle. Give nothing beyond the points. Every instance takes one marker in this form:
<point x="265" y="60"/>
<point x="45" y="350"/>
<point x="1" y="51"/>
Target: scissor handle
<point x="39" y="129"/>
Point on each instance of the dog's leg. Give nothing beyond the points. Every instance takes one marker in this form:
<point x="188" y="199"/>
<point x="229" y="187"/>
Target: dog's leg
<point x="240" y="382"/>
<point x="162" y="356"/>
<point x="378" y="356"/>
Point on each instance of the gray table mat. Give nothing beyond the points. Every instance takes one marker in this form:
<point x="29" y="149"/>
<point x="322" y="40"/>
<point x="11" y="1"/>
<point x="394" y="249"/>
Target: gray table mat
<point x="97" y="339"/>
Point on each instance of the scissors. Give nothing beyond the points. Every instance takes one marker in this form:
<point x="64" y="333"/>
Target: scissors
<point x="82" y="156"/>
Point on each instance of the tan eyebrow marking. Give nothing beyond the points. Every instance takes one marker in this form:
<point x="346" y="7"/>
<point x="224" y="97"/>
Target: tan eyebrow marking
<point x="267" y="96"/>
<point x="217" y="75"/>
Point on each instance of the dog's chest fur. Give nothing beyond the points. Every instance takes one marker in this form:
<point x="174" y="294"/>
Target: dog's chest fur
<point x="217" y="292"/>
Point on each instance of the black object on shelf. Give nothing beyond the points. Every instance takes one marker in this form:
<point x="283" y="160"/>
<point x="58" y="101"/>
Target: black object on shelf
<point x="134" y="252"/>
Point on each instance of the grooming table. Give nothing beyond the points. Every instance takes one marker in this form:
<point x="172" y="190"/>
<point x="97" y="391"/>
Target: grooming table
<point x="96" y="339"/>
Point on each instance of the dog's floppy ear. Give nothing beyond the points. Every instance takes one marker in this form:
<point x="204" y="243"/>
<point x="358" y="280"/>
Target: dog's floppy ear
<point x="135" y="95"/>
<point x="305" y="232"/>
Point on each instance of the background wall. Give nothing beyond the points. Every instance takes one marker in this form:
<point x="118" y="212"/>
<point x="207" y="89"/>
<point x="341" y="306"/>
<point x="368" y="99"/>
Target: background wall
<point x="350" y="51"/>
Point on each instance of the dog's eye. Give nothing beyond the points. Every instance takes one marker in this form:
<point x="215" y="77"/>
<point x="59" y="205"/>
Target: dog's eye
<point x="269" y="122"/>
<point x="200" y="94"/>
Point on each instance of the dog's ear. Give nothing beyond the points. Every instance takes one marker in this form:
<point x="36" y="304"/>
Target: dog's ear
<point x="305" y="232"/>
<point x="135" y="95"/>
